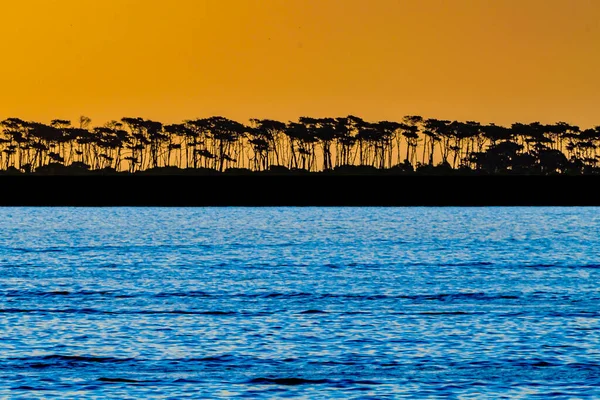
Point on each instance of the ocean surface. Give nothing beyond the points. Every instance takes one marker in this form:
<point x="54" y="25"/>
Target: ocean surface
<point x="315" y="303"/>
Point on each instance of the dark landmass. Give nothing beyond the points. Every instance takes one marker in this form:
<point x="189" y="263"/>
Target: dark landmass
<point x="207" y="188"/>
<point x="343" y="161"/>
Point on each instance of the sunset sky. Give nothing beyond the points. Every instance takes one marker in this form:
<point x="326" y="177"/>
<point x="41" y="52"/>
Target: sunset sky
<point x="488" y="60"/>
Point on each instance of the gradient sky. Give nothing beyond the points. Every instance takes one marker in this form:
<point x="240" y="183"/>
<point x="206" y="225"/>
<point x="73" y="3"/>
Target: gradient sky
<point x="488" y="60"/>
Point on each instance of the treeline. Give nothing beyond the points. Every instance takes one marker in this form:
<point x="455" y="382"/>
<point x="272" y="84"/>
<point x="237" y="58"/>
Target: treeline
<point x="310" y="144"/>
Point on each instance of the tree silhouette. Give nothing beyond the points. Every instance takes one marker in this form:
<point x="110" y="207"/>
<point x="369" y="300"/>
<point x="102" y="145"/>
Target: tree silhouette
<point x="135" y="144"/>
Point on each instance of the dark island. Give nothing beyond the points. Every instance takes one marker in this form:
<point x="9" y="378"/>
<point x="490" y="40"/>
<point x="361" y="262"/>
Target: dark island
<point x="312" y="162"/>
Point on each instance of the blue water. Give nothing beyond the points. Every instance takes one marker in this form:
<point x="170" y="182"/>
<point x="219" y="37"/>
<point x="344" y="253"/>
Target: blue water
<point x="299" y="303"/>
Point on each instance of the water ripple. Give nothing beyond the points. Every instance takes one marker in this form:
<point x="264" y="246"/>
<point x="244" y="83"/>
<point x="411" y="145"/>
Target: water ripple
<point x="299" y="303"/>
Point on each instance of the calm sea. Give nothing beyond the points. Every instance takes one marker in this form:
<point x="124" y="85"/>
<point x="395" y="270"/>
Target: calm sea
<point x="349" y="303"/>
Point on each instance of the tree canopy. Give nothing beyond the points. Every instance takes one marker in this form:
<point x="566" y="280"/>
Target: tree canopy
<point x="412" y="145"/>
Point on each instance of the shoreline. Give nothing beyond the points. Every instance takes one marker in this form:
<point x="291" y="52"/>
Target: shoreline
<point x="300" y="190"/>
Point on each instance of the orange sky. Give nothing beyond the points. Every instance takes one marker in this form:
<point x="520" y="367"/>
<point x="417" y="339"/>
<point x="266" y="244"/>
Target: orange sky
<point x="489" y="60"/>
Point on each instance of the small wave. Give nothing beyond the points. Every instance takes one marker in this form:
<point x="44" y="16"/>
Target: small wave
<point x="17" y="311"/>
<point x="277" y="295"/>
<point x="588" y="266"/>
<point x="55" y="358"/>
<point x="314" y="312"/>
<point x="541" y="266"/>
<point x="30" y="388"/>
<point x="355" y="296"/>
<point x="585" y="366"/>
<point x="184" y="312"/>
<point x="535" y="363"/>
<point x="575" y="314"/>
<point x="183" y="294"/>
<point x="302" y="381"/>
<point x="63" y="361"/>
<point x="506" y="363"/>
<point x="268" y="295"/>
<point x="88" y="359"/>
<point x="352" y="382"/>
<point x="371" y="297"/>
<point x="49" y="250"/>
<point x="288" y="381"/>
<point x="93" y="311"/>
<point x="223" y="361"/>
<point x="186" y="380"/>
<point x="212" y="359"/>
<point x="548" y="266"/>
<point x="293" y="295"/>
<point x="449" y="313"/>
<point x="460" y="296"/>
<point x="217" y="313"/>
<point x="338" y="363"/>
<point x="94" y="293"/>
<point x="468" y="264"/>
<point x="283" y="295"/>
<point x="125" y="296"/>
<point x="513" y="314"/>
<point x="36" y="293"/>
<point x="272" y="295"/>
<point x="129" y="248"/>
<point x="117" y="380"/>
<point x="542" y="364"/>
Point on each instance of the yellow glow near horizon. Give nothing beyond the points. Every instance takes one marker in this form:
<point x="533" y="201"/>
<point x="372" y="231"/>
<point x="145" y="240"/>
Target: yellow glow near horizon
<point x="497" y="61"/>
